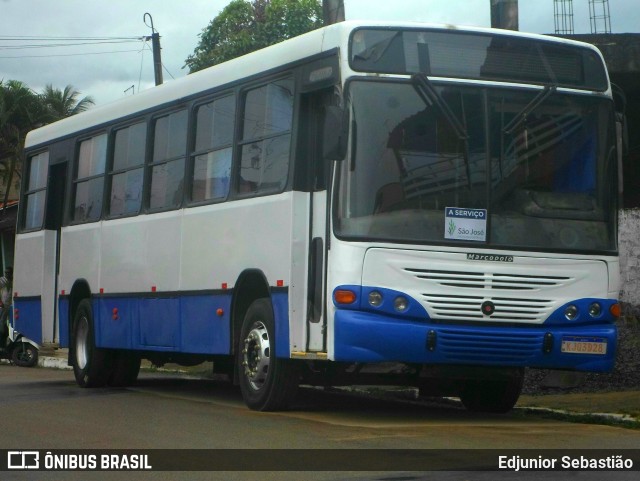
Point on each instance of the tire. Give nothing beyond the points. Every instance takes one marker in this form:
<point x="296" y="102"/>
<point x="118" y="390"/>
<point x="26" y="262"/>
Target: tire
<point x="125" y="369"/>
<point x="91" y="365"/>
<point x="24" y="355"/>
<point x="492" y="396"/>
<point x="267" y="382"/>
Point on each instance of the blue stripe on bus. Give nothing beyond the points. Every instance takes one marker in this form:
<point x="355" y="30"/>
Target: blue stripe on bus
<point x="188" y="324"/>
<point x="29" y="320"/>
<point x="280" y="301"/>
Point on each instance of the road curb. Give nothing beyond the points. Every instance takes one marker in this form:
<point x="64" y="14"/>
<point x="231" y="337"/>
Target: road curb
<point x="53" y="362"/>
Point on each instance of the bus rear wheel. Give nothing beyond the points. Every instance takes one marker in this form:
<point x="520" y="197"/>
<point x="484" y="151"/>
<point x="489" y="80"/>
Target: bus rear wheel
<point x="91" y="365"/>
<point x="492" y="396"/>
<point x="268" y="383"/>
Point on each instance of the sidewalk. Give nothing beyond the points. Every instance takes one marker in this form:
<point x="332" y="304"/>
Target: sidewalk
<point x="623" y="406"/>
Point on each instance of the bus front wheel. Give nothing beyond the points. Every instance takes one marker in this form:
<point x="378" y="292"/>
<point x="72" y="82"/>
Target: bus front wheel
<point x="267" y="382"/>
<point x="91" y="365"/>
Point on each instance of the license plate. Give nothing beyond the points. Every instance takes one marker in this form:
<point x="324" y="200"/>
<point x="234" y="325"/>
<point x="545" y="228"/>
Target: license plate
<point x="584" y="345"/>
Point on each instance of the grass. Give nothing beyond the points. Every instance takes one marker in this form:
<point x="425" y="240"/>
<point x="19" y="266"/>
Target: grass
<point x="622" y="402"/>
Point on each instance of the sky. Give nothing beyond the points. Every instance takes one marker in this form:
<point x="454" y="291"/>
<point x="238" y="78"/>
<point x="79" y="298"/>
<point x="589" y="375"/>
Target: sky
<point x="114" y="70"/>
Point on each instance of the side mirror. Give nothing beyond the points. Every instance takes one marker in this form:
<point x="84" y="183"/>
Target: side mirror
<point x="335" y="133"/>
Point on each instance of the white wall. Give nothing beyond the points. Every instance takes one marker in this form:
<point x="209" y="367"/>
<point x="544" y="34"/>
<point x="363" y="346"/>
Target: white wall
<point x="629" y="244"/>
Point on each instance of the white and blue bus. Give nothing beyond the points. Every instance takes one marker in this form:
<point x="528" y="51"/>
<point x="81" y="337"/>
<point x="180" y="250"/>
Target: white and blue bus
<point x="368" y="202"/>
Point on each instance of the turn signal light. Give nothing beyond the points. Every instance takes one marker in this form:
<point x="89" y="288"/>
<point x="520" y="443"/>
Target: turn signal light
<point x="343" y="296"/>
<point x="615" y="310"/>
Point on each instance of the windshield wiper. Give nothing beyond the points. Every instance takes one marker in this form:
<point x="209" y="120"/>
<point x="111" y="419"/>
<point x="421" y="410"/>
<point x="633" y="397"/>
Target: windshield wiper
<point x="431" y="96"/>
<point x="521" y="117"/>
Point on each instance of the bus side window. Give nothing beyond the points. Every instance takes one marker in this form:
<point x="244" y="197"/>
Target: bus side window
<point x="167" y="168"/>
<point x="215" y="122"/>
<point x="89" y="179"/>
<point x="127" y="170"/>
<point x="266" y="137"/>
<point x="35" y="195"/>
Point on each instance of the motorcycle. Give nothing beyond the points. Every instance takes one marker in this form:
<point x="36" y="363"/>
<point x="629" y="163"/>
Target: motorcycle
<point x="18" y="349"/>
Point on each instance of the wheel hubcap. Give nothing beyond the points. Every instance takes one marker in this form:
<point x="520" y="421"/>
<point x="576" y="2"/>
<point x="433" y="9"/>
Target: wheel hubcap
<point x="256" y="355"/>
<point x="82" y="333"/>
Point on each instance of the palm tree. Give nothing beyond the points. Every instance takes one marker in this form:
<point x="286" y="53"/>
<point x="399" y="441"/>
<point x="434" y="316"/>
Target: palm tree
<point x="20" y="111"/>
<point x="63" y="103"/>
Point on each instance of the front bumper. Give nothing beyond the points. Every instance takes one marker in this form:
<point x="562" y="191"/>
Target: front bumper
<point x="372" y="337"/>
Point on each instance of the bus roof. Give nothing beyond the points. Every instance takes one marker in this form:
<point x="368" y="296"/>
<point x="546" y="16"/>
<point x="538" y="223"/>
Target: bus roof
<point x="289" y="51"/>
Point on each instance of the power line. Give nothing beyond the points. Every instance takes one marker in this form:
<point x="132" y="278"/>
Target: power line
<point x="56" y="45"/>
<point x="48" y="38"/>
<point x="69" y="54"/>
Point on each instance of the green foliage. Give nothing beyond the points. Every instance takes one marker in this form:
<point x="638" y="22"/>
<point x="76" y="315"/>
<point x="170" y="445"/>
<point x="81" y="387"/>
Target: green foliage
<point x="243" y="27"/>
<point x="59" y="104"/>
<point x="22" y="110"/>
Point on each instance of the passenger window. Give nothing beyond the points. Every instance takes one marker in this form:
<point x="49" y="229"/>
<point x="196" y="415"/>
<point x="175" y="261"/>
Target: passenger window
<point x="215" y="123"/>
<point x="167" y="167"/>
<point x="89" y="179"/>
<point x="127" y="172"/>
<point x="266" y="138"/>
<point x="38" y="167"/>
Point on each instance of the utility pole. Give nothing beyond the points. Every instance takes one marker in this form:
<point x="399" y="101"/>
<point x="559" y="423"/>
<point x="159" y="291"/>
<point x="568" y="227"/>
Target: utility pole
<point x="155" y="48"/>
<point x="333" y="11"/>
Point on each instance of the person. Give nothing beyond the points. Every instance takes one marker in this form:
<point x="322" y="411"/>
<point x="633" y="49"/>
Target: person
<point x="6" y="298"/>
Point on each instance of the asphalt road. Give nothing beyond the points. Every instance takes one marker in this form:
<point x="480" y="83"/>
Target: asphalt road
<point x="44" y="409"/>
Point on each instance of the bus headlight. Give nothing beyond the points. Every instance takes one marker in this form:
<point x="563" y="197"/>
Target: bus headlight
<point x="595" y="310"/>
<point x="375" y="298"/>
<point x="401" y="304"/>
<point x="571" y="312"/>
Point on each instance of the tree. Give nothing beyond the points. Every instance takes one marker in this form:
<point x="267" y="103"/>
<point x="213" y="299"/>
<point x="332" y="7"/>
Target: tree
<point x="22" y="110"/>
<point x="244" y="26"/>
<point x="59" y="104"/>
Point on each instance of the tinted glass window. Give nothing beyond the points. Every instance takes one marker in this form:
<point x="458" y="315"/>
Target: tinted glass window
<point x="166" y="184"/>
<point x="93" y="154"/>
<point x="266" y="137"/>
<point x="478" y="56"/>
<point x="38" y="166"/>
<point x="167" y="169"/>
<point x="89" y="180"/>
<point x="523" y="177"/>
<point x="128" y="173"/>
<point x="129" y="146"/>
<point x="170" y="137"/>
<point x="213" y="150"/>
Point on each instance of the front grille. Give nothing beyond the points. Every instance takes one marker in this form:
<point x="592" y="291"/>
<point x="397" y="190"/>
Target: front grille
<point x="488" y="280"/>
<point x="458" y="295"/>
<point x="487" y="346"/>
<point x="468" y="308"/>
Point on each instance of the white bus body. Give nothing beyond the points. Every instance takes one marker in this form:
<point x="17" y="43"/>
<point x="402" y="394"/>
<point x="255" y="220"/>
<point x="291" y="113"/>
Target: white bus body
<point x="199" y="220"/>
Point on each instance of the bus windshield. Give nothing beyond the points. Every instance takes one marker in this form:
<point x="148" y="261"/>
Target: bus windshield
<point x="539" y="169"/>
